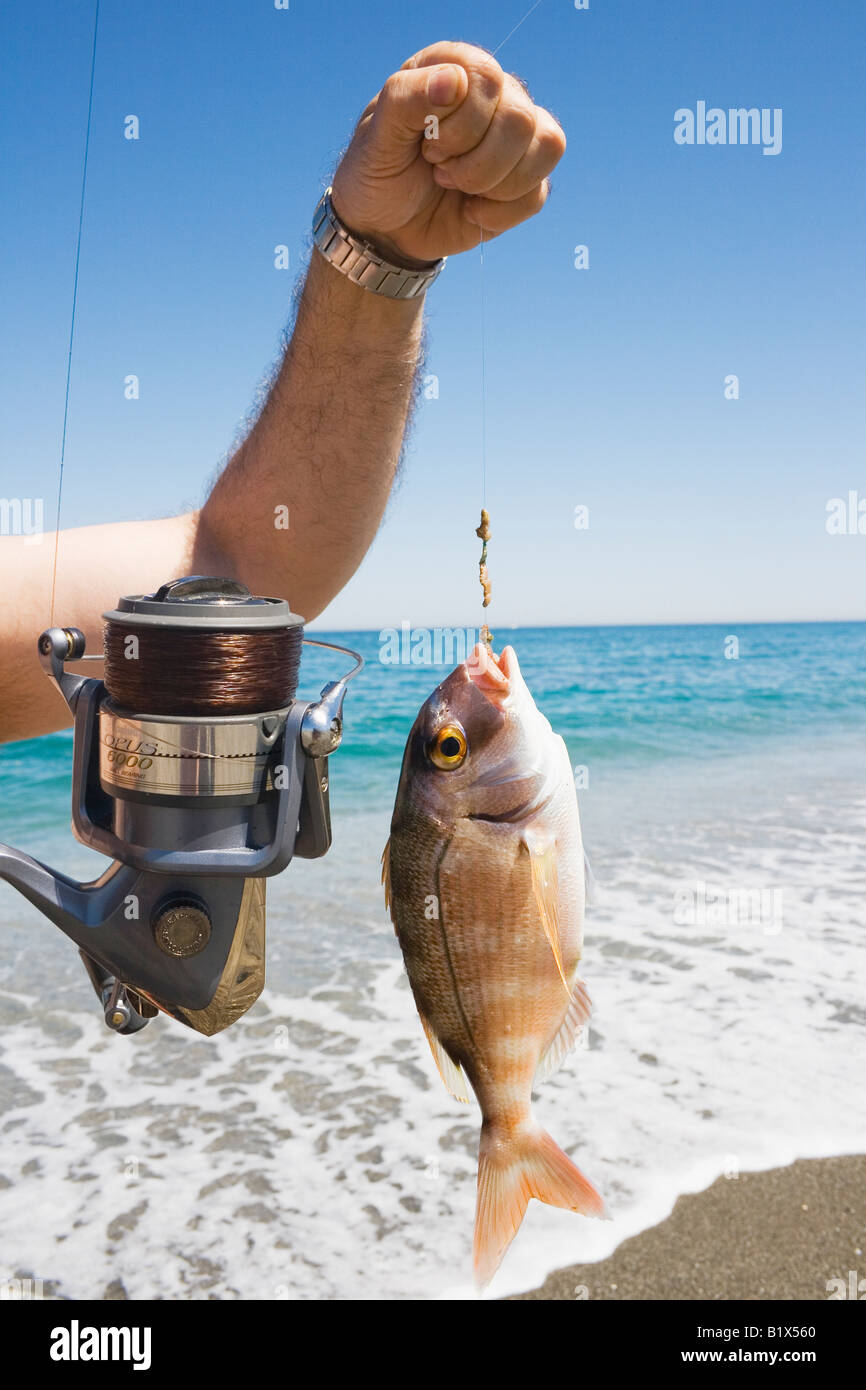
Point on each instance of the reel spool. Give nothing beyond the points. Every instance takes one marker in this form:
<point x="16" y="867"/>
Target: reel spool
<point x="199" y="646"/>
<point x="199" y="774"/>
<point x="199" y="678"/>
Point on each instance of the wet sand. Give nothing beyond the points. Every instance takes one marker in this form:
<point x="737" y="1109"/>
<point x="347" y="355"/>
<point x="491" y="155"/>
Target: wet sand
<point x="784" y="1234"/>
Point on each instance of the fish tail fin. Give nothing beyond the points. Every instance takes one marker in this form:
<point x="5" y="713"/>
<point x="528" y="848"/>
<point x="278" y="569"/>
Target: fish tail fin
<point x="511" y="1169"/>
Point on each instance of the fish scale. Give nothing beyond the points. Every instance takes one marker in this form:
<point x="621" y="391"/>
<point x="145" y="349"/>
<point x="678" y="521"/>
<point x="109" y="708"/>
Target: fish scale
<point x="498" y="955"/>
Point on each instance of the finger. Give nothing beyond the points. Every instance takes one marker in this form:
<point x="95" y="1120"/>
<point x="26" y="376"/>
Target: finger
<point x="495" y="218"/>
<point x="464" y="127"/>
<point x="502" y="148"/>
<point x="542" y="156"/>
<point x="401" y="112"/>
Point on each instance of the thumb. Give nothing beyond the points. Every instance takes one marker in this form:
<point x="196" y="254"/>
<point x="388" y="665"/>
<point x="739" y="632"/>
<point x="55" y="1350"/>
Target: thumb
<point x="411" y="96"/>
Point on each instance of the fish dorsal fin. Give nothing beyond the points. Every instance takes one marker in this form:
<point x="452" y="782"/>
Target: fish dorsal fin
<point x="452" y="1074"/>
<point x="576" y="1019"/>
<point x="542" y="859"/>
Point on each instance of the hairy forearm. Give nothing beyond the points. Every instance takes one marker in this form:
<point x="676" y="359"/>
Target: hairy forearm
<point x="296" y="508"/>
<point x="299" y="502"/>
<point x="323" y="452"/>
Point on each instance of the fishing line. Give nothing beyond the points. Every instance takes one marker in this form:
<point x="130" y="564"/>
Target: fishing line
<point x="199" y="672"/>
<point x="74" y="302"/>
<point x="483" y="377"/>
<point x="483" y="530"/>
<point x="517" y="26"/>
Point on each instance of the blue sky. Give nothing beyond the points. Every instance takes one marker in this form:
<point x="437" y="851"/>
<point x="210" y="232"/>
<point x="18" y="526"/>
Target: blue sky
<point x="605" y="387"/>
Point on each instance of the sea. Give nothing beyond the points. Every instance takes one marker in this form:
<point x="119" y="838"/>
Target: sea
<point x="311" y="1151"/>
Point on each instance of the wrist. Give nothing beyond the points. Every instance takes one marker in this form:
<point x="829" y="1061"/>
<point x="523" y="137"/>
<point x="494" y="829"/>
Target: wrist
<point x="380" y="243"/>
<point x="356" y="258"/>
<point x="373" y="319"/>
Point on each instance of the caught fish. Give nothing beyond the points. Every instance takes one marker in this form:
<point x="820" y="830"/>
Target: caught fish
<point x="484" y="877"/>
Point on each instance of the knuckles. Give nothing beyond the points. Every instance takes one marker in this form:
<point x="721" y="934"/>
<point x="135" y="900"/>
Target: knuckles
<point x="551" y="142"/>
<point x="486" y="80"/>
<point x="486" y="77"/>
<point x="493" y="96"/>
<point x="394" y="89"/>
<point x="520" y="120"/>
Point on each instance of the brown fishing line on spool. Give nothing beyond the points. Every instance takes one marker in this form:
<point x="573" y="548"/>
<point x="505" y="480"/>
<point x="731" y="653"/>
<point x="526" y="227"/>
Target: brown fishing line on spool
<point x="199" y="672"/>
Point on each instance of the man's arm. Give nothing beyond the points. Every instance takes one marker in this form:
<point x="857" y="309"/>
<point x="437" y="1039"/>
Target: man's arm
<point x="325" y="447"/>
<point x="324" y="450"/>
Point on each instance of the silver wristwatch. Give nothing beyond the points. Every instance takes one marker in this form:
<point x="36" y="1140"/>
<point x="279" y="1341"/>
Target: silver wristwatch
<point x="362" y="263"/>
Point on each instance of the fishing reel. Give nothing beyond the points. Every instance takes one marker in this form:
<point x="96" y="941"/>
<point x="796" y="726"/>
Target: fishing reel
<point x="198" y="772"/>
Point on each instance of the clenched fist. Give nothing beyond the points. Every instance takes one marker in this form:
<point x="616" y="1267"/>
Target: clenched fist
<point x="451" y="145"/>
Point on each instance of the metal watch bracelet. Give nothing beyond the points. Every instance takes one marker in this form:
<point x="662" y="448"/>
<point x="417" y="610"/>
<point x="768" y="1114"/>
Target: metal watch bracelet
<point x="362" y="263"/>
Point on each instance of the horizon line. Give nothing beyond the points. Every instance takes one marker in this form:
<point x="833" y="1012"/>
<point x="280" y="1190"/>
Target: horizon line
<point x="522" y="627"/>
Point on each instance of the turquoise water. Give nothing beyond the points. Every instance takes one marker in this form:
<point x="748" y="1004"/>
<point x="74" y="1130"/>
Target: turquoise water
<point x="621" y="697"/>
<point x="635" y="695"/>
<point x="311" y="1149"/>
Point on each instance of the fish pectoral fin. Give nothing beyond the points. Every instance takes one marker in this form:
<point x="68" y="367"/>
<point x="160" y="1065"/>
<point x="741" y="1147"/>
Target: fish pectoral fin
<point x="451" y="1072"/>
<point x="576" y="1019"/>
<point x="542" y="859"/>
<point x="386" y="877"/>
<point x="590" y="882"/>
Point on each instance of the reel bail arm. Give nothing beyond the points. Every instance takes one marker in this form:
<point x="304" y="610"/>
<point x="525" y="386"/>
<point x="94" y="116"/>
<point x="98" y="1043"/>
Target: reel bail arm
<point x="195" y="810"/>
<point x="56" y="646"/>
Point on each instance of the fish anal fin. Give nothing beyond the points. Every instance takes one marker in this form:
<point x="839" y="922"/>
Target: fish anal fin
<point x="542" y="859"/>
<point x="452" y="1074"/>
<point x="576" y="1019"/>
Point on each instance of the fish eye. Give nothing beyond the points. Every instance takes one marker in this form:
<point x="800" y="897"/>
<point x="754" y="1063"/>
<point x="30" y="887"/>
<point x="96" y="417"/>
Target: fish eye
<point x="448" y="748"/>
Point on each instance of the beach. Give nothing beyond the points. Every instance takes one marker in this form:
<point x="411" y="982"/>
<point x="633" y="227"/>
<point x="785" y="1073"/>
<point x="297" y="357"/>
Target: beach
<point x="784" y="1234"/>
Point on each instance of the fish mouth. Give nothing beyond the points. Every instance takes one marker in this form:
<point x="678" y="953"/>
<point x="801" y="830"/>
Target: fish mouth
<point x="524" y="810"/>
<point x="493" y="676"/>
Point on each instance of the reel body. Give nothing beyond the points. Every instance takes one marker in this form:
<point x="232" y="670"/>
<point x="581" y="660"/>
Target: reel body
<point x="195" y="810"/>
